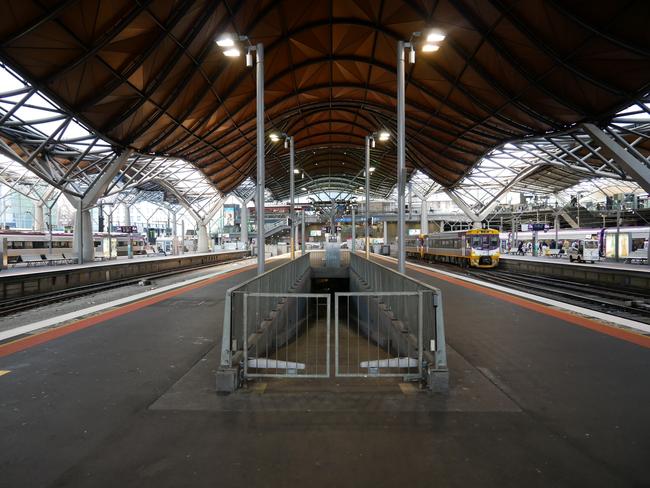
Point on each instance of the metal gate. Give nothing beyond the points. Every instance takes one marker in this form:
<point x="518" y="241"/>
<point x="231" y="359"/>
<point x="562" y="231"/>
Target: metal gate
<point x="379" y="334"/>
<point x="286" y="335"/>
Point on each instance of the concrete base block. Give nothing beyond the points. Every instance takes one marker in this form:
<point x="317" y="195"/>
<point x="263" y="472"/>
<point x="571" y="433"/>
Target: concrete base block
<point x="227" y="380"/>
<point x="438" y="380"/>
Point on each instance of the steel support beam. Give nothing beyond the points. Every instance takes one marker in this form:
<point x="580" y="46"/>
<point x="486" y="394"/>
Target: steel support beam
<point x="476" y="219"/>
<point x="637" y="169"/>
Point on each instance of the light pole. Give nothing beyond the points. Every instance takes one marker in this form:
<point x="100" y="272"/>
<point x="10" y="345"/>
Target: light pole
<point x="288" y="141"/>
<point x="431" y="45"/>
<point x="230" y="49"/>
<point x="384" y="135"/>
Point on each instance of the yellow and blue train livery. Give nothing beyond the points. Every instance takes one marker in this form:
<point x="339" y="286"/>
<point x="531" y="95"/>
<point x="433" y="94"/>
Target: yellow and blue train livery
<point x="478" y="248"/>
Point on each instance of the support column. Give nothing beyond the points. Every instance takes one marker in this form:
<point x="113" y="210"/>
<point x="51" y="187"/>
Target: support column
<point x="295" y="240"/>
<point x="38" y="217"/>
<point x="183" y="236"/>
<point x="174" y="234"/>
<point x="386" y="233"/>
<point x="243" y="225"/>
<point x="83" y="236"/>
<point x="100" y="218"/>
<point x="302" y="240"/>
<point x="127" y="215"/>
<point x="204" y="239"/>
<point x="259" y="201"/>
<point x="401" y="154"/>
<point x="424" y="217"/>
<point x="354" y="231"/>
<point x="367" y="219"/>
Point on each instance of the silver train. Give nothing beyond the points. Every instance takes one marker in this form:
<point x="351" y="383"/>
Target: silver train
<point x="31" y="243"/>
<point x="631" y="240"/>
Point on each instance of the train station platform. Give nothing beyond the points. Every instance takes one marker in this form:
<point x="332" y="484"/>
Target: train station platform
<point x="642" y="268"/>
<point x="22" y="282"/>
<point x="626" y="276"/>
<point x="125" y="397"/>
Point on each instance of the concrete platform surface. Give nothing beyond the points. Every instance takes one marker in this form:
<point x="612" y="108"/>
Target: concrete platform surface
<point x="121" y="260"/>
<point x="641" y="268"/>
<point x="536" y="401"/>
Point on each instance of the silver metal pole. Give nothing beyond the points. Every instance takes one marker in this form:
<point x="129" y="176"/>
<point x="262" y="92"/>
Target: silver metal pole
<point x="302" y="240"/>
<point x="49" y="224"/>
<point x="259" y="201"/>
<point x="367" y="197"/>
<point x="648" y="261"/>
<point x="80" y="247"/>
<point x="291" y="195"/>
<point x="354" y="231"/>
<point x="618" y="235"/>
<point x="401" y="168"/>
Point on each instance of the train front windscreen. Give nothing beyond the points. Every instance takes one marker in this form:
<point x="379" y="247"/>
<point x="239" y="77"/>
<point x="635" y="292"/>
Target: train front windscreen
<point x="485" y="243"/>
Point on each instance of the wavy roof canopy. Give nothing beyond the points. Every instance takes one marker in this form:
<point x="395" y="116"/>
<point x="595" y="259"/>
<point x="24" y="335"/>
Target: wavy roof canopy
<point x="149" y="75"/>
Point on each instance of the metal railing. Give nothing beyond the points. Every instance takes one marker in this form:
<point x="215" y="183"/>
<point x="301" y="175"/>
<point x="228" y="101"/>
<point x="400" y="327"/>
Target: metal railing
<point x="293" y="341"/>
<point x="319" y="258"/>
<point x="371" y="340"/>
<point x="283" y="279"/>
<point x="408" y="311"/>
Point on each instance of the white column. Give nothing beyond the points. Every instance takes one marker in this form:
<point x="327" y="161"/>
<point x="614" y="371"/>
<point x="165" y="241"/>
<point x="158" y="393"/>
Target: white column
<point x="204" y="239"/>
<point x="183" y="236"/>
<point x="174" y="234"/>
<point x="243" y="236"/>
<point x="386" y="232"/>
<point x="38" y="217"/>
<point x="83" y="236"/>
<point x="127" y="215"/>
<point x="424" y="217"/>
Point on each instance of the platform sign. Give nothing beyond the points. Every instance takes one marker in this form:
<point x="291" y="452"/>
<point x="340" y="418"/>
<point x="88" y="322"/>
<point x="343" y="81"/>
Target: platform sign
<point x="537" y="226"/>
<point x="125" y="229"/>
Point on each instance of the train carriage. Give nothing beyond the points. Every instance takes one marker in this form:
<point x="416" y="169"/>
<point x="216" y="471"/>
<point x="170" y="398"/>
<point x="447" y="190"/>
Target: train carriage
<point x="478" y="248"/>
<point x="31" y="243"/>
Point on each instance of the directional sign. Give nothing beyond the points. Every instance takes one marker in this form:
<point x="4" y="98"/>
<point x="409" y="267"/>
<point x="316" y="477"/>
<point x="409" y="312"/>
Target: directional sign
<point x="125" y="229"/>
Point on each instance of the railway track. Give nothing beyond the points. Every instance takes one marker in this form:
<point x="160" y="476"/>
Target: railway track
<point x="14" y="305"/>
<point x="631" y="305"/>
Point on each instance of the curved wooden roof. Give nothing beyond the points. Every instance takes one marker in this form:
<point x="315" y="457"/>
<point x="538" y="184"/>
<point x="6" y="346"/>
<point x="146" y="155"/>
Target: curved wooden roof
<point x="149" y="75"/>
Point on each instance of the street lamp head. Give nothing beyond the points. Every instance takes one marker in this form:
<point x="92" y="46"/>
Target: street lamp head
<point x="274" y="137"/>
<point x="371" y="169"/>
<point x="296" y="171"/>
<point x="430" y="48"/>
<point x="384" y="135"/>
<point x="233" y="52"/>
<point x="225" y="41"/>
<point x="435" y="35"/>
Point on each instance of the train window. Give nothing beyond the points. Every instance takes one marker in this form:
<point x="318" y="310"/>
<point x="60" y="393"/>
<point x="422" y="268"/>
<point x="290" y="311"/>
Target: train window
<point x="38" y="245"/>
<point x="494" y="242"/>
